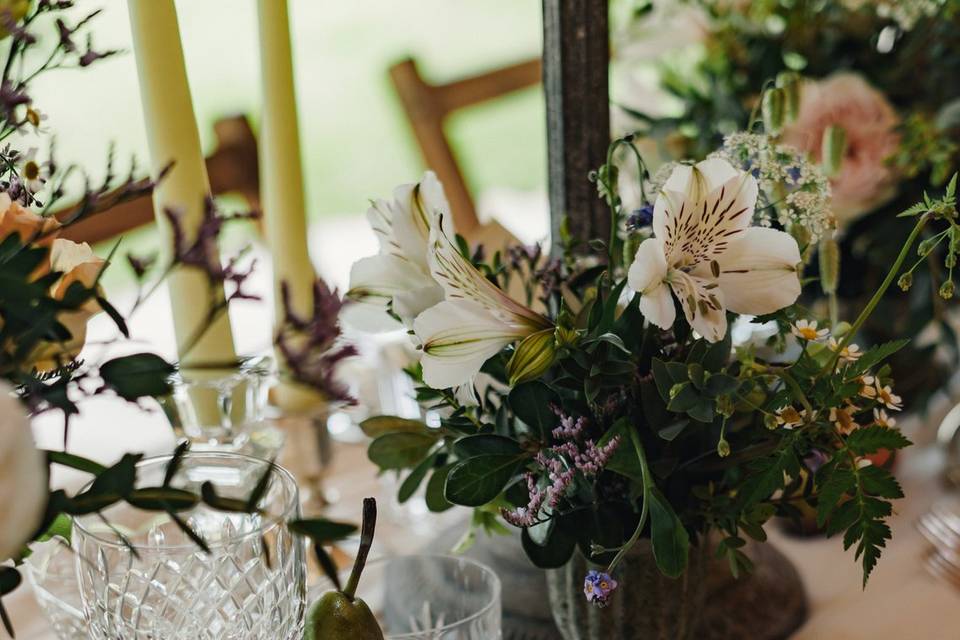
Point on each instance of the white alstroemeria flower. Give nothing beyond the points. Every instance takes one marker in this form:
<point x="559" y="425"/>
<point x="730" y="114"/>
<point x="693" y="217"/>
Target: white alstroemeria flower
<point x="399" y="276"/>
<point x="705" y="251"/>
<point x="23" y="477"/>
<point x="475" y="322"/>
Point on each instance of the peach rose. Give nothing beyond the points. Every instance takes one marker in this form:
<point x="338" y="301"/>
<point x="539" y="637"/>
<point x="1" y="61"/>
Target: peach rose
<point x="864" y="180"/>
<point x="77" y="263"/>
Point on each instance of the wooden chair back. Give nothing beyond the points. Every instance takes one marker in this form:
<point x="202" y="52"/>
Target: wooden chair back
<point x="233" y="168"/>
<point x="428" y="106"/>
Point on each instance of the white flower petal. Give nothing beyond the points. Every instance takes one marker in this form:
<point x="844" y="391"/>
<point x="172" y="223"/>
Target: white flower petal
<point x="457" y="337"/>
<point x="697" y="181"/>
<point x="758" y="271"/>
<point x="703" y="305"/>
<point x="380" y="215"/>
<point x="377" y="280"/>
<point x="649" y="268"/>
<point x="657" y="307"/>
<point x="462" y="281"/>
<point x="23" y="477"/>
<point x="409" y="304"/>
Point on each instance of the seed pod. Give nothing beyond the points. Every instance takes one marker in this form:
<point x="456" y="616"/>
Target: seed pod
<point x="630" y="246"/>
<point x="832" y="148"/>
<point x="829" y="264"/>
<point x="723" y="448"/>
<point x="789" y="81"/>
<point x="947" y="290"/>
<point x="770" y="421"/>
<point x="905" y="281"/>
<point x="773" y="110"/>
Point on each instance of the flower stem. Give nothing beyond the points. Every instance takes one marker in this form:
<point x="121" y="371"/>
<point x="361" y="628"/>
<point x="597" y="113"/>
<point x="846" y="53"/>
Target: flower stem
<point x="875" y="300"/>
<point x="647" y="481"/>
<point x="366" y="541"/>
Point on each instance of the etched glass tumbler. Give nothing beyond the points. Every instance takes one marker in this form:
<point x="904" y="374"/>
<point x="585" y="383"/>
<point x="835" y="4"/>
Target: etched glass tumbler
<point x="154" y="582"/>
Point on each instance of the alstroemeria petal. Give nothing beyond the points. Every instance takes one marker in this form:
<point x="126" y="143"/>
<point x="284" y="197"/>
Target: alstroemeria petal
<point x="649" y="268"/>
<point x="380" y="215"/>
<point x="457" y="337"/>
<point x="758" y="271"/>
<point x="697" y="181"/>
<point x="377" y="280"/>
<point x="703" y="304"/>
<point x="462" y="281"/>
<point x="657" y="307"/>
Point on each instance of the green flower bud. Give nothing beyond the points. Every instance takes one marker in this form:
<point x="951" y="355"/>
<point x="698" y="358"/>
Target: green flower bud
<point x="925" y="247"/>
<point x="533" y="357"/>
<point x="773" y="110"/>
<point x="790" y="81"/>
<point x="951" y="260"/>
<point x="829" y="264"/>
<point x="566" y="336"/>
<point x="947" y="290"/>
<point x="833" y="146"/>
<point x="725" y="406"/>
<point x="770" y="421"/>
<point x="905" y="281"/>
<point x="630" y="246"/>
<point x="723" y="448"/>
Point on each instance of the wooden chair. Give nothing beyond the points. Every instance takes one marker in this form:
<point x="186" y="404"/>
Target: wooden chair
<point x="428" y="106"/>
<point x="233" y="168"/>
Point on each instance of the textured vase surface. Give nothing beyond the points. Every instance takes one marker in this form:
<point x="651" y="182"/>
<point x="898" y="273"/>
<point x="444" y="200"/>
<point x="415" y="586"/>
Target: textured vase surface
<point x="646" y="605"/>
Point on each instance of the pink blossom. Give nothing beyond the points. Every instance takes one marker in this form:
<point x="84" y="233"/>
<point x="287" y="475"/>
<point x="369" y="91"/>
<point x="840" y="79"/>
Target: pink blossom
<point x="864" y="180"/>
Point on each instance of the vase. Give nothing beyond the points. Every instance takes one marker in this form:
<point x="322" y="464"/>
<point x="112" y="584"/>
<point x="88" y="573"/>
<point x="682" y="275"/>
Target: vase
<point x="646" y="604"/>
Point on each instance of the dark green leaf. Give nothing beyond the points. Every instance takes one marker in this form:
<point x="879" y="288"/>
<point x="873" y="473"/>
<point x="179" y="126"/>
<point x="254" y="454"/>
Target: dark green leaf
<point x="400" y="450"/>
<point x="415" y="477"/>
<point x="114" y="315"/>
<point x="486" y="444"/>
<point x="556" y="552"/>
<point x="75" y="462"/>
<point x="670" y="433"/>
<point x="321" y="530"/>
<point x="137" y="376"/>
<point x="162" y="499"/>
<point x="875" y="356"/>
<point x="624" y="460"/>
<point x="379" y="425"/>
<point x="479" y="480"/>
<point x="531" y="402"/>
<point x="874" y="438"/>
<point x="436" y="501"/>
<point x="671" y="543"/>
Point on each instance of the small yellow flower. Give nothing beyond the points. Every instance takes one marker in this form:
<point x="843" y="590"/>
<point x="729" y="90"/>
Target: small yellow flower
<point x="888" y="398"/>
<point x="850" y="353"/>
<point x="867" y="388"/>
<point x="789" y="418"/>
<point x="843" y="419"/>
<point x="881" y="419"/>
<point x="807" y="330"/>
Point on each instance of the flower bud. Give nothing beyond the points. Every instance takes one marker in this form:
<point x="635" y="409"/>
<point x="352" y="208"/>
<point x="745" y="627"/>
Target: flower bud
<point x="947" y="289"/>
<point x="770" y="421"/>
<point x="532" y="358"/>
<point x="789" y="81"/>
<point x="773" y="110"/>
<point x="905" y="281"/>
<point x="833" y="145"/>
<point x="829" y="264"/>
<point x="723" y="448"/>
<point x="630" y="246"/>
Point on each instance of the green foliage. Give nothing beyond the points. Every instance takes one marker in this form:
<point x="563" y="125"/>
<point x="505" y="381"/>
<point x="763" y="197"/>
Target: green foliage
<point x="137" y="376"/>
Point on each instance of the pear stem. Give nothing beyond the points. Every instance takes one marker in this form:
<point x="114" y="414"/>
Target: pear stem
<point x="366" y="541"/>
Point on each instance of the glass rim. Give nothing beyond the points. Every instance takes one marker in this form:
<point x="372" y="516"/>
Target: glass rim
<point x="267" y="524"/>
<point x="450" y="626"/>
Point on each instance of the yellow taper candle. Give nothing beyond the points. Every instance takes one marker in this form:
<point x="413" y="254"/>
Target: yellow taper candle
<point x="173" y="137"/>
<point x="281" y="178"/>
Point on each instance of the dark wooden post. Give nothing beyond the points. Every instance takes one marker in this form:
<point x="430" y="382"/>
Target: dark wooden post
<point x="576" y="57"/>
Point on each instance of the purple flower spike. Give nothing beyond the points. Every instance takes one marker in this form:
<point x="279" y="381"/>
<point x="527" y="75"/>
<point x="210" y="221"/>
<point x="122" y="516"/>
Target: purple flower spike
<point x="598" y="587"/>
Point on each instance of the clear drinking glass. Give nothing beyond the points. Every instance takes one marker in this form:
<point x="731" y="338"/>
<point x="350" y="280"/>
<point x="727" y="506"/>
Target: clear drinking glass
<point x="251" y="586"/>
<point x="52" y="573"/>
<point x="427" y="597"/>
<point x="217" y="408"/>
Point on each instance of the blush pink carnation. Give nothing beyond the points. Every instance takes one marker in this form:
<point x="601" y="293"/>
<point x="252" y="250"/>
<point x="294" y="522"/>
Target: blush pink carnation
<point x="864" y="180"/>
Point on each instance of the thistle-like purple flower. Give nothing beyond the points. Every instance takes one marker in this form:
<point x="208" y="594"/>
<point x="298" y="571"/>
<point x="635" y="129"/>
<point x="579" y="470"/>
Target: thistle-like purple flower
<point x="598" y="587"/>
<point x="309" y="345"/>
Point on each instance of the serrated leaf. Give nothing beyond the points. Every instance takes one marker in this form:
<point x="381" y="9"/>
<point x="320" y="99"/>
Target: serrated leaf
<point x="874" y="438"/>
<point x="836" y="486"/>
<point x="876" y="355"/>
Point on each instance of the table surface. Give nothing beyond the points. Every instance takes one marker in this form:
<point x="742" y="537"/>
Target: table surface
<point x="901" y="601"/>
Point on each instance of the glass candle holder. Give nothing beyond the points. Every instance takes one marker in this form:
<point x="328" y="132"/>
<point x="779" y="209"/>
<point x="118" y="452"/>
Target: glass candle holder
<point x="142" y="578"/>
<point x="217" y="408"/>
<point x="430" y="597"/>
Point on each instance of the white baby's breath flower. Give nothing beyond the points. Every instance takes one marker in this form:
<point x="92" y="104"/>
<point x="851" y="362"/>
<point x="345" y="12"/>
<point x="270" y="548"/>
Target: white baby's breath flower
<point x="888" y="398"/>
<point x="807" y="330"/>
<point x="705" y="252"/>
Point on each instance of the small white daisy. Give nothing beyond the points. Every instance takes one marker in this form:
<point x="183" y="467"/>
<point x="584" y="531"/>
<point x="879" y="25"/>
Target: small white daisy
<point x="849" y="353"/>
<point x="807" y="330"/>
<point x="881" y="419"/>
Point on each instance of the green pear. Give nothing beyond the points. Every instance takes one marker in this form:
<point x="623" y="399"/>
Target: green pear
<point x="339" y="615"/>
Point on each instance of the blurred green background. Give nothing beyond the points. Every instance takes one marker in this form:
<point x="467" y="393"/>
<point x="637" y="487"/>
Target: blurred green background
<point x="356" y="140"/>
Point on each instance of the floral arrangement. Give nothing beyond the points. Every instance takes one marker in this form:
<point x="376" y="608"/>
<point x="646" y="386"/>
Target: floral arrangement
<point x="612" y="403"/>
<point x="50" y="287"/>
<point x="846" y="84"/>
